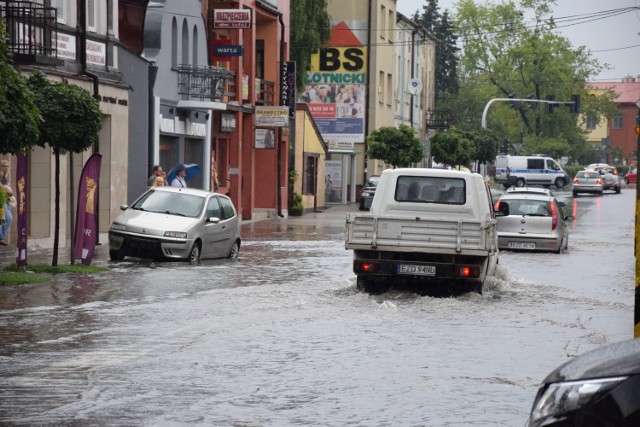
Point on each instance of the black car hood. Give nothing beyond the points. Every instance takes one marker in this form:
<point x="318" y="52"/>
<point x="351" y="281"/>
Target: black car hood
<point x="622" y="358"/>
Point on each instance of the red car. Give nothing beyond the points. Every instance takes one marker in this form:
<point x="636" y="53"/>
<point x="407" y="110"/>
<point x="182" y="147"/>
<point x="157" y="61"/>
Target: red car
<point x="631" y="176"/>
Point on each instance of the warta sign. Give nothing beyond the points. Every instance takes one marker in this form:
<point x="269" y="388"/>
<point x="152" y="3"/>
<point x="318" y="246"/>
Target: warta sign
<point x="232" y="18"/>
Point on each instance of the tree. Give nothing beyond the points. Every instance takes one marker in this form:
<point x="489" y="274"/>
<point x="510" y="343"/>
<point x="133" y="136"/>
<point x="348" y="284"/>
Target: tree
<point x="310" y="30"/>
<point x="446" y="60"/>
<point x="399" y="147"/>
<point x="453" y="147"/>
<point x="71" y="122"/>
<point x="504" y="56"/>
<point x="19" y="115"/>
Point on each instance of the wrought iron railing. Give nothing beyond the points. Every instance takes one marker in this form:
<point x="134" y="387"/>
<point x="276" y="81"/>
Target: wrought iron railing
<point x="32" y="28"/>
<point x="203" y="82"/>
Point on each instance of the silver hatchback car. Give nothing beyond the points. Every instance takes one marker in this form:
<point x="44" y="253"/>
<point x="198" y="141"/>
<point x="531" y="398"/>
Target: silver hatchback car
<point x="176" y="223"/>
<point x="532" y="221"/>
<point x="588" y="181"/>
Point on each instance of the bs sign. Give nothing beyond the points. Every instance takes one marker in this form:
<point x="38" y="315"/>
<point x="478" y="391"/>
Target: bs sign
<point x="339" y="59"/>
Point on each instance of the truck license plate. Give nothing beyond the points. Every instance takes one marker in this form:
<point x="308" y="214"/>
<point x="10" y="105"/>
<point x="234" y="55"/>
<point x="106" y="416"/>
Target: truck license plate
<point x="522" y="245"/>
<point x="418" y="270"/>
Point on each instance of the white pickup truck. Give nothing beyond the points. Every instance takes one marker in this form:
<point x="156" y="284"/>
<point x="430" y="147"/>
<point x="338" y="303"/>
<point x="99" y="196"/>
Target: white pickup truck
<point x="428" y="226"/>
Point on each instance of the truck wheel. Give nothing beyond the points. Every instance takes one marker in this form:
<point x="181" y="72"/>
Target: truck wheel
<point x="560" y="182"/>
<point x="371" y="286"/>
<point x="477" y="288"/>
<point x="520" y="182"/>
<point x="617" y="190"/>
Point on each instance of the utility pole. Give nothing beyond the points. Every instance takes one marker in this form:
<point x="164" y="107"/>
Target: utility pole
<point x="636" y="311"/>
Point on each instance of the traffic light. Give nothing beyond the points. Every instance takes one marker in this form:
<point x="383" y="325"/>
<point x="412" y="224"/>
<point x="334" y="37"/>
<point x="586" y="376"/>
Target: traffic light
<point x="548" y="108"/>
<point x="574" y="106"/>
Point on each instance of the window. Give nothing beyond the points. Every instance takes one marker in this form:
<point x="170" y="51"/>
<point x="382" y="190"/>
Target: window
<point x="194" y="47"/>
<point x="227" y="208"/>
<point x="381" y="87"/>
<point x="213" y="208"/>
<point x="390" y="26"/>
<point x="617" y="121"/>
<point x="591" y="122"/>
<point x="430" y="190"/>
<point x="389" y="90"/>
<point x="174" y="43"/>
<point x="59" y="5"/>
<point x="535" y="164"/>
<point x="381" y="23"/>
<point x="260" y="59"/>
<point x="185" y="43"/>
<point x="91" y="15"/>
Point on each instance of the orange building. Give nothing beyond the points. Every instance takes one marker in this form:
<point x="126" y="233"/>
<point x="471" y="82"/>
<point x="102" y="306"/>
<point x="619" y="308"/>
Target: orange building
<point x="249" y="167"/>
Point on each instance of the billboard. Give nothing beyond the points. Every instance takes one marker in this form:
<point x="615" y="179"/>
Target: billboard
<point x="335" y="91"/>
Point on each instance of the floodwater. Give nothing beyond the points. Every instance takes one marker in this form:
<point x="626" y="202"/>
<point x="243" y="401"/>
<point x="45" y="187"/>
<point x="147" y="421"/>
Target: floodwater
<point x="281" y="336"/>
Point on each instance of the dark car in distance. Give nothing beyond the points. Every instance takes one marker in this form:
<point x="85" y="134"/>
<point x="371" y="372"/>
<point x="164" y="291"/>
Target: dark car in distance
<point x="598" y="388"/>
<point x="368" y="191"/>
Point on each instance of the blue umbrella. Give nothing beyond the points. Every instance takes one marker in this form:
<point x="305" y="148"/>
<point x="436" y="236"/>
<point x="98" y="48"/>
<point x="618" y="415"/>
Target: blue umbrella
<point x="192" y="169"/>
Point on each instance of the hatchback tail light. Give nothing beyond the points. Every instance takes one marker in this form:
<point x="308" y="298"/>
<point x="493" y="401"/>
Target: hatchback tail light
<point x="496" y="207"/>
<point x="575" y="180"/>
<point x="554" y="215"/>
<point x="598" y="181"/>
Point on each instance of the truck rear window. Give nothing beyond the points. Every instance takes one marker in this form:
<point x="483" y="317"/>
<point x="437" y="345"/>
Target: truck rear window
<point x="423" y="189"/>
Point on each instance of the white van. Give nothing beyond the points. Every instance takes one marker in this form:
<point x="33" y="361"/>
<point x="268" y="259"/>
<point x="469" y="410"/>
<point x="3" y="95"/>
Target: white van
<point x="529" y="170"/>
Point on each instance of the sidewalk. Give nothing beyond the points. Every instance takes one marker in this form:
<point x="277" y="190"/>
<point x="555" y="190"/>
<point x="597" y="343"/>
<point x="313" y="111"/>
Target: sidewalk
<point x="334" y="215"/>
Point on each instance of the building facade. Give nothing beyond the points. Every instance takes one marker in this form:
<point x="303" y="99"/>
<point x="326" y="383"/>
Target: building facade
<point x="617" y="131"/>
<point x="76" y="42"/>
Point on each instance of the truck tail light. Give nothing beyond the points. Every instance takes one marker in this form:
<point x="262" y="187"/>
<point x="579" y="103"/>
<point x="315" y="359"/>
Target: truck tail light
<point x="472" y="271"/>
<point x="365" y="267"/>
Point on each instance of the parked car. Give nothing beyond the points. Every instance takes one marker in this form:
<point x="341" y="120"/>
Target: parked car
<point x="611" y="180"/>
<point x="631" y="177"/>
<point x="368" y="191"/>
<point x="176" y="223"/>
<point x="528" y="190"/>
<point x="532" y="221"/>
<point x="598" y="388"/>
<point x="588" y="181"/>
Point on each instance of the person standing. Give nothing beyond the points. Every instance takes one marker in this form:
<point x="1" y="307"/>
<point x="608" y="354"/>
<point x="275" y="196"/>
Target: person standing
<point x="179" y="180"/>
<point x="155" y="173"/>
<point x="8" y="217"/>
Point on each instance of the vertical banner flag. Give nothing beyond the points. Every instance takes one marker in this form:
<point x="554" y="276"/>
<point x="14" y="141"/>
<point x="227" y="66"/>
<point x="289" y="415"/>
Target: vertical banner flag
<point x="86" y="225"/>
<point x="288" y="88"/>
<point x="22" y="197"/>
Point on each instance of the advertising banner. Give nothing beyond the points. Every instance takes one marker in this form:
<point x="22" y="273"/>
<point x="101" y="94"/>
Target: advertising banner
<point x="272" y="116"/>
<point x="265" y="138"/>
<point x="22" y="197"/>
<point x="333" y="181"/>
<point x="86" y="224"/>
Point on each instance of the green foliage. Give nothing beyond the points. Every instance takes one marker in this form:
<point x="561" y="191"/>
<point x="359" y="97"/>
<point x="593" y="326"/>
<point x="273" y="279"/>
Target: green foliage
<point x="310" y="30"/>
<point x="504" y="55"/>
<point x="296" y="207"/>
<point x="399" y="147"/>
<point x="453" y="147"/>
<point x="13" y="275"/>
<point x="71" y="117"/>
<point x="446" y="54"/>
<point x="19" y="115"/>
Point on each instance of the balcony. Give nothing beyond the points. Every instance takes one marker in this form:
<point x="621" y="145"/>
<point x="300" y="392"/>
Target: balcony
<point x="264" y="92"/>
<point x="32" y="32"/>
<point x="203" y="82"/>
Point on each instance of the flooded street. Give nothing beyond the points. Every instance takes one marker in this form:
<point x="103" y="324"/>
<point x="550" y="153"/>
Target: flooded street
<point x="281" y="336"/>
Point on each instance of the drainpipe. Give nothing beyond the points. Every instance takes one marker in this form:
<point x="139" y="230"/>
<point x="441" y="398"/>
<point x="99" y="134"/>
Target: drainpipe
<point x="279" y="180"/>
<point x="367" y="96"/>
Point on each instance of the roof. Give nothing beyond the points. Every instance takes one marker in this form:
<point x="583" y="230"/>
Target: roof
<point x="628" y="92"/>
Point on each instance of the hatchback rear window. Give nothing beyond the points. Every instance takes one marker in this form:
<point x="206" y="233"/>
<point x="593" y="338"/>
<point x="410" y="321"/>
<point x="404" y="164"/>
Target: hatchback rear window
<point x="528" y="207"/>
<point x="420" y="189"/>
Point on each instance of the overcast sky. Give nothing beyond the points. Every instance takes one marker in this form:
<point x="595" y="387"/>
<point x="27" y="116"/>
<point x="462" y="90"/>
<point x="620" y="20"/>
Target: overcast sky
<point x="614" y="40"/>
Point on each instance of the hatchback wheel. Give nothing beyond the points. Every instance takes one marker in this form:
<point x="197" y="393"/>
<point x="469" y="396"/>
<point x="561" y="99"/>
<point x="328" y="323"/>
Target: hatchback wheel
<point x="116" y="255"/>
<point x="194" y="254"/>
<point x="235" y="249"/>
